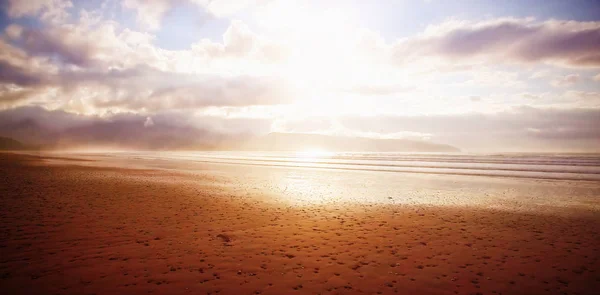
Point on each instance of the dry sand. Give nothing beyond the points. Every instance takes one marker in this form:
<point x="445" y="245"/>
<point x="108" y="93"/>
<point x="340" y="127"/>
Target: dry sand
<point x="71" y="229"/>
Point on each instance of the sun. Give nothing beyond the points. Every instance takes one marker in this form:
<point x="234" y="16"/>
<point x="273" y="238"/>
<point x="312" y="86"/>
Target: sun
<point x="318" y="37"/>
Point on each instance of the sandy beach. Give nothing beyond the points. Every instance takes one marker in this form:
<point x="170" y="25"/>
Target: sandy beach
<point x="71" y="227"/>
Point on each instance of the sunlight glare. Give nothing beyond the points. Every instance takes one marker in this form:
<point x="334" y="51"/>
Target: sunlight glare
<point x="319" y="39"/>
<point x="313" y="154"/>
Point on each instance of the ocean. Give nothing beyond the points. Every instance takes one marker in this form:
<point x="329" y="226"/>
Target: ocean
<point x="540" y="166"/>
<point x="501" y="181"/>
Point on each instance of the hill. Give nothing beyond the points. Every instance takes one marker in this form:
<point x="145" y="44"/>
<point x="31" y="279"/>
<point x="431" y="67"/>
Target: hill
<point x="8" y="144"/>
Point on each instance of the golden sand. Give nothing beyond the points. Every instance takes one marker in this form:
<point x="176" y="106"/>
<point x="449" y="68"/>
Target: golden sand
<point x="73" y="229"/>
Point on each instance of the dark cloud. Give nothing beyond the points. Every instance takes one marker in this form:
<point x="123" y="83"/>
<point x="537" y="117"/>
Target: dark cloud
<point x="16" y="75"/>
<point x="77" y="66"/>
<point x="169" y="130"/>
<point x="151" y="89"/>
<point x="53" y="44"/>
<point x="10" y="97"/>
<point x="470" y="41"/>
<point x="571" y="43"/>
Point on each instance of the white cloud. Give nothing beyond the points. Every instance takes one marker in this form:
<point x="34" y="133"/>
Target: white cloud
<point x="239" y="42"/>
<point x="149" y="12"/>
<point x="491" y="77"/>
<point x="540" y="74"/>
<point x="587" y="99"/>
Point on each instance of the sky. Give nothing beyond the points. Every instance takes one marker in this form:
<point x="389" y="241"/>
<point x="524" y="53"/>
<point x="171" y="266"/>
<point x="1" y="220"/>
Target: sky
<point x="481" y="75"/>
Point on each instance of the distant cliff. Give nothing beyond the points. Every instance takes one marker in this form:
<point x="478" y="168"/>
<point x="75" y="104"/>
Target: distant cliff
<point x="302" y="141"/>
<point x="9" y="144"/>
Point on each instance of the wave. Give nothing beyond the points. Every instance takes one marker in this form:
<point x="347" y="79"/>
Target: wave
<point x="539" y="166"/>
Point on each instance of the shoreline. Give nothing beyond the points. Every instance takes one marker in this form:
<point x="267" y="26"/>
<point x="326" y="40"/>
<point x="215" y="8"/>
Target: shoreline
<point x="592" y="174"/>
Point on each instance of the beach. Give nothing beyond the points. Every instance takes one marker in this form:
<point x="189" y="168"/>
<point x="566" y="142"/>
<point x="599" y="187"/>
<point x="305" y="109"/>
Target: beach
<point x="91" y="225"/>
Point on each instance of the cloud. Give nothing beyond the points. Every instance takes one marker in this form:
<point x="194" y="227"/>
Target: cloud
<point x="489" y="77"/>
<point x="151" y="89"/>
<point x="81" y="44"/>
<point x="138" y="89"/>
<point x="240" y="42"/>
<point x="584" y="98"/>
<point x="220" y="91"/>
<point x="566" y="81"/>
<point x="50" y="44"/>
<point x="149" y="12"/>
<point x="11" y="95"/>
<point x="48" y="10"/>
<point x="562" y="43"/>
<point x="101" y="67"/>
<point x="596" y="78"/>
<point x="253" y="80"/>
<point x="16" y="75"/>
<point x="540" y="74"/>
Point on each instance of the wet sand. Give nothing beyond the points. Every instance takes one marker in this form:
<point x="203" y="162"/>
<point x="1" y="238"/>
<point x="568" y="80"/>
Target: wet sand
<point x="71" y="228"/>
